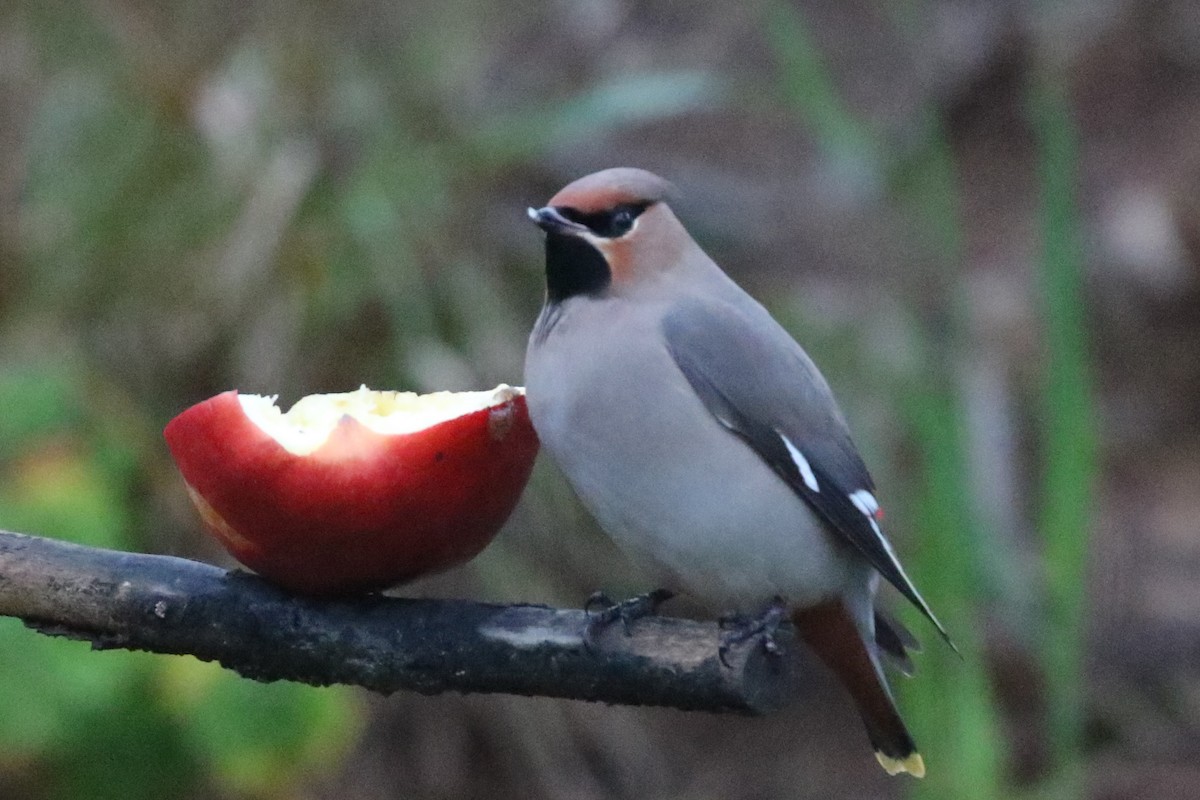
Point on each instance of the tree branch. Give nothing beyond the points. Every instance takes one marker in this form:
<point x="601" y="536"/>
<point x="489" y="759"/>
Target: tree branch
<point x="172" y="605"/>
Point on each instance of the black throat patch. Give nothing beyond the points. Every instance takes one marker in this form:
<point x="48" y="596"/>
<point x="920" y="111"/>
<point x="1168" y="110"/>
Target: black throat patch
<point x="573" y="267"/>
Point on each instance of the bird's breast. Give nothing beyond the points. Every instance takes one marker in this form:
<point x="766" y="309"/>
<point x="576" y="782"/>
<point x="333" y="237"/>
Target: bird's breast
<point x="678" y="493"/>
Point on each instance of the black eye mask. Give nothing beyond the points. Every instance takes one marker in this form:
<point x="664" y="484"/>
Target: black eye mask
<point x="610" y="224"/>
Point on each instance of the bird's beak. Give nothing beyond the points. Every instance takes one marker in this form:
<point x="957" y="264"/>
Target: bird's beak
<point x="551" y="221"/>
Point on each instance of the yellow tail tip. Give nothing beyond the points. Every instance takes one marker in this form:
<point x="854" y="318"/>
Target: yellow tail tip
<point x="913" y="764"/>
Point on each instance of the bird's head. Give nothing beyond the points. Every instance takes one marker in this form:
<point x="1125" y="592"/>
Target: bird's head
<point x="608" y="229"/>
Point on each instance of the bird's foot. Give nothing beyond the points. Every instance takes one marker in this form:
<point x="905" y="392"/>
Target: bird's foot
<point x="737" y="628"/>
<point x="627" y="611"/>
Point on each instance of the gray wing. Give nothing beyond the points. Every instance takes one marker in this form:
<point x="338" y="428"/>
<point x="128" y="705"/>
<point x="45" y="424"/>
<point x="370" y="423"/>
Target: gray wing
<point x="758" y="383"/>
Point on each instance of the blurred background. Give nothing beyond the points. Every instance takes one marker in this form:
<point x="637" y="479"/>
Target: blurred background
<point x="981" y="218"/>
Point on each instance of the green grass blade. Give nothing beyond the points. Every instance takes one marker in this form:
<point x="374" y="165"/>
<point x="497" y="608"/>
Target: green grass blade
<point x="949" y="705"/>
<point x="1068" y="436"/>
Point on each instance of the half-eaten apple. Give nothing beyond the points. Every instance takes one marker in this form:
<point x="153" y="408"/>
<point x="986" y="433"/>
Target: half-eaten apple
<point x="356" y="491"/>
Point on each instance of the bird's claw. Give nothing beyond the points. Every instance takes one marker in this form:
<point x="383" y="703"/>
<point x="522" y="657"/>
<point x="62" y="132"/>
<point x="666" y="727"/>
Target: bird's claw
<point x="733" y="620"/>
<point x="598" y="599"/>
<point x="739" y="628"/>
<point x="627" y="611"/>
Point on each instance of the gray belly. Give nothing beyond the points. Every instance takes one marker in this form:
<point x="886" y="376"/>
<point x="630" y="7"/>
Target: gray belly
<point x="683" y="497"/>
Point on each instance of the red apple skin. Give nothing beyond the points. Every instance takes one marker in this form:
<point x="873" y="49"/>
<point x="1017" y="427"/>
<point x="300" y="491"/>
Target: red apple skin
<point x="365" y="510"/>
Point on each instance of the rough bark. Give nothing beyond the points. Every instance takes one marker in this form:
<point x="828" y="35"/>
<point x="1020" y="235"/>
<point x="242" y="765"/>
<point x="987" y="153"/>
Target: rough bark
<point x="172" y="605"/>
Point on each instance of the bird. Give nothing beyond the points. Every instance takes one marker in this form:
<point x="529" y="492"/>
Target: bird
<point x="707" y="444"/>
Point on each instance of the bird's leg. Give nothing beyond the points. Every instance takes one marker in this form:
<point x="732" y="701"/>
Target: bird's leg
<point x="738" y="629"/>
<point x="627" y="611"/>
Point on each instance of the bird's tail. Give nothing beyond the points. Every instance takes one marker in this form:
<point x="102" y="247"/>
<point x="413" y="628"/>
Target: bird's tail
<point x="830" y="631"/>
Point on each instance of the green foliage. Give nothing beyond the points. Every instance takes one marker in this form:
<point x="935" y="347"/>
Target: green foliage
<point x="38" y="401"/>
<point x="950" y="703"/>
<point x="118" y="724"/>
<point x="118" y="746"/>
<point x="275" y="205"/>
<point x="291" y="200"/>
<point x="256" y="739"/>
<point x="604" y="108"/>
<point x="54" y="486"/>
<point x="1068" y="437"/>
<point x="807" y="85"/>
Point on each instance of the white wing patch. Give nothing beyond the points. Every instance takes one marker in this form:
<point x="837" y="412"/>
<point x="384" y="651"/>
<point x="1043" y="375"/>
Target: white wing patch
<point x="865" y="502"/>
<point x="806" y="470"/>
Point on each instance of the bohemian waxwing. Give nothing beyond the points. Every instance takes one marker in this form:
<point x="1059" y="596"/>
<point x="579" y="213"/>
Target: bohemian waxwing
<point x="704" y="440"/>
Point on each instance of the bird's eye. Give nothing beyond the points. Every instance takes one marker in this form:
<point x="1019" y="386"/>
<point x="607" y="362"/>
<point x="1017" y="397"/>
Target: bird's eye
<point x="607" y="224"/>
<point x="622" y="221"/>
<point x="619" y="221"/>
